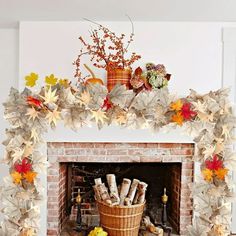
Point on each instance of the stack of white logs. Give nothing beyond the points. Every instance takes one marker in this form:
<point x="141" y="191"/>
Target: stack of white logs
<point x="129" y="193"/>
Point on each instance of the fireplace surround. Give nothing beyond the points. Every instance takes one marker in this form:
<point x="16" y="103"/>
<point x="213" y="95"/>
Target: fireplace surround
<point x="171" y="164"/>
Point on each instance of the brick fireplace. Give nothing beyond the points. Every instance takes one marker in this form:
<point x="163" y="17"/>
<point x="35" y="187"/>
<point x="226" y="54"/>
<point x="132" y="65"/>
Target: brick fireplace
<point x="74" y="165"/>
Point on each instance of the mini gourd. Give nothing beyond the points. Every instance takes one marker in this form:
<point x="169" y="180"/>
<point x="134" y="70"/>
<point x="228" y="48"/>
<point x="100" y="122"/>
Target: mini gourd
<point x="93" y="79"/>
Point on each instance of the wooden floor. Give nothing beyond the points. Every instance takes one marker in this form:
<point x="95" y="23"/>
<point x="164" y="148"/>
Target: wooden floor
<point x="69" y="230"/>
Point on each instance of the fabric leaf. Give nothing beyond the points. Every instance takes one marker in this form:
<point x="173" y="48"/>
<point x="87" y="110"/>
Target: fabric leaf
<point x="214" y="164"/>
<point x="24" y="167"/>
<point x="51" y="80"/>
<point x="186" y="111"/>
<point x="30" y="80"/>
<point x="34" y="101"/>
<point x="176" y="106"/>
<point x="221" y="173"/>
<point x="208" y="174"/>
<point x="17" y="177"/>
<point x="177" y="118"/>
<point x="30" y="176"/>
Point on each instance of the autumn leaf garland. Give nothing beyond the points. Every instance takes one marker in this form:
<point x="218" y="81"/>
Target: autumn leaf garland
<point x="181" y="111"/>
<point x="208" y="118"/>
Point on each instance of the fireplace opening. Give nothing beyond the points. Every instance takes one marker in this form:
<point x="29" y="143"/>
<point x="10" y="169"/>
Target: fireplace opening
<point x="75" y="166"/>
<point x="157" y="175"/>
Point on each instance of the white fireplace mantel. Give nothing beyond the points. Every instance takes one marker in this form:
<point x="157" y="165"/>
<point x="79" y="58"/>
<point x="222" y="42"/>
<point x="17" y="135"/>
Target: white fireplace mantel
<point x="107" y="134"/>
<point x="116" y="134"/>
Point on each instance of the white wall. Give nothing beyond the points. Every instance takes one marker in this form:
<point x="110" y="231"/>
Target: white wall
<point x="9" y="78"/>
<point x="229" y="75"/>
<point x="192" y="52"/>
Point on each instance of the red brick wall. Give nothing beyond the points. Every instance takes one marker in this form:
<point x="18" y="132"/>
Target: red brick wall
<point x="174" y="197"/>
<point x="62" y="195"/>
<point x="119" y="152"/>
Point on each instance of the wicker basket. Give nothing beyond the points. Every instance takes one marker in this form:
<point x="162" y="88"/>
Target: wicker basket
<point x="120" y="220"/>
<point x="118" y="76"/>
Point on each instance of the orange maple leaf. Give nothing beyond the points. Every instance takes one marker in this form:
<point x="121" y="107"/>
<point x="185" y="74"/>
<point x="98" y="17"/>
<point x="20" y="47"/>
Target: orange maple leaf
<point x="27" y="232"/>
<point x="176" y="106"/>
<point x="30" y="176"/>
<point x="178" y="118"/>
<point x="207" y="174"/>
<point x="17" y="177"/>
<point x="221" y="173"/>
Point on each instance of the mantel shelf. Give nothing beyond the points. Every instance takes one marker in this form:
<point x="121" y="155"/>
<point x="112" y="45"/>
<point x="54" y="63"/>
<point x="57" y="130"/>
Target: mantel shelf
<point x="116" y="134"/>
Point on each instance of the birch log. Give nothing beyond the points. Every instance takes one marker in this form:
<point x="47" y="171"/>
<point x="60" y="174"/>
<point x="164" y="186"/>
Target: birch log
<point x="97" y="194"/>
<point x="124" y="190"/>
<point x="142" y="188"/>
<point x="111" y="180"/>
<point x="151" y="227"/>
<point x="132" y="190"/>
<point x="127" y="202"/>
<point x="104" y="193"/>
<point x="98" y="181"/>
<point x="135" y="201"/>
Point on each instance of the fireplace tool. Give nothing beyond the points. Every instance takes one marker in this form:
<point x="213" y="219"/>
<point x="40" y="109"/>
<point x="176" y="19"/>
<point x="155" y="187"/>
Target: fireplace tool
<point x="163" y="225"/>
<point x="80" y="227"/>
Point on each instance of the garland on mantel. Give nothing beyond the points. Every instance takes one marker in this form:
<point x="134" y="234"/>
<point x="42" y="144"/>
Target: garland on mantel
<point x="208" y="118"/>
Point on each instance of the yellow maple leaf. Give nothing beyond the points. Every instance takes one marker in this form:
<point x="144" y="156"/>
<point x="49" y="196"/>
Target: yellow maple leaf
<point x="207" y="174"/>
<point x="176" y="106"/>
<point x="50" y="80"/>
<point x="178" y="118"/>
<point x="30" y="80"/>
<point x="64" y="83"/>
<point x="17" y="177"/>
<point x="30" y="176"/>
<point x="221" y="173"/>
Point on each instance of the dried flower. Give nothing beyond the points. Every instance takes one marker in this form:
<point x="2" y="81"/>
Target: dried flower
<point x="156" y="75"/>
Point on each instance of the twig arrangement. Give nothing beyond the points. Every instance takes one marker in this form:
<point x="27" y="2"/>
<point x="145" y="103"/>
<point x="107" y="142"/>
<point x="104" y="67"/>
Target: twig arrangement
<point x="127" y="194"/>
<point x="106" y="49"/>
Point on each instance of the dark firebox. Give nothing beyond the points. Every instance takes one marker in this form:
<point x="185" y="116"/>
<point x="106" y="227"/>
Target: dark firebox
<point x="157" y="175"/>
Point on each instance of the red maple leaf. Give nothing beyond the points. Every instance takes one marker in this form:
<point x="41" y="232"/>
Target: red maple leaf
<point x="214" y="164"/>
<point x="24" y="167"/>
<point x="34" y="101"/>
<point x="186" y="111"/>
<point x="107" y="104"/>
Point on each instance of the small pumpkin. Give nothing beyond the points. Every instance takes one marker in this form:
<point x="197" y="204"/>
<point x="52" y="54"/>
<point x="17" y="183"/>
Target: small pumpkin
<point x="92" y="80"/>
<point x="98" y="231"/>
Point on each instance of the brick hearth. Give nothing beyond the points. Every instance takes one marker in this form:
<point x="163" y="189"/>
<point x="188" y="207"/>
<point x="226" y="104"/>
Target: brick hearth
<point x="60" y="154"/>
